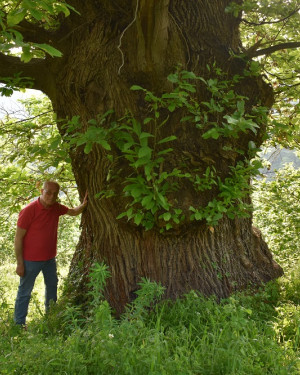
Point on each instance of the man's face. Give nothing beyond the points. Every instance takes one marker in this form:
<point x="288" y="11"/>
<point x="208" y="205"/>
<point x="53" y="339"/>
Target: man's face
<point x="50" y="194"/>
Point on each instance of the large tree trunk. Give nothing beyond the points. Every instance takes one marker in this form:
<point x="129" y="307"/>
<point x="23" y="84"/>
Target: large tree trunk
<point x="111" y="46"/>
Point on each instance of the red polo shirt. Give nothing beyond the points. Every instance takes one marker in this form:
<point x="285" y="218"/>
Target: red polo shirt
<point x="41" y="224"/>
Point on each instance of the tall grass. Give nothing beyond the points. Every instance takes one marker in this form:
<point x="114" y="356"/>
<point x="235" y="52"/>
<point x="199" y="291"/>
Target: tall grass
<point x="244" y="334"/>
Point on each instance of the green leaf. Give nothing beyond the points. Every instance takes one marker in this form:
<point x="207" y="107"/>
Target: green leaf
<point x="198" y="215"/>
<point x="212" y="133"/>
<point x="169" y="226"/>
<point x="136" y="192"/>
<point x="136" y="88"/>
<point x="62" y="8"/>
<point x="104" y="144"/>
<point x="173" y="78"/>
<point x="49" y="49"/>
<point x="172" y="107"/>
<point x="144" y="152"/>
<point x="188" y="75"/>
<point x="26" y="55"/>
<point x="163" y="202"/>
<point x="138" y="218"/>
<point x="167" y="139"/>
<point x="88" y="147"/>
<point x="145" y="135"/>
<point x="36" y="14"/>
<point x="166" y="151"/>
<point x="16" y="16"/>
<point x="136" y="127"/>
<point x="241" y="107"/>
<point x="147" y="120"/>
<point x="148" y="202"/>
<point x="186" y="118"/>
<point x="29" y="4"/>
<point x="167" y="216"/>
<point x="122" y="215"/>
<point x="54" y="144"/>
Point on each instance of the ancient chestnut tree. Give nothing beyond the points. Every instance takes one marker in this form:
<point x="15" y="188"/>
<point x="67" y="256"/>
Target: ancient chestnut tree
<point x="163" y="109"/>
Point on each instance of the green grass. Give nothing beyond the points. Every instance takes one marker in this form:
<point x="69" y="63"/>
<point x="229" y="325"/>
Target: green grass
<point x="244" y="334"/>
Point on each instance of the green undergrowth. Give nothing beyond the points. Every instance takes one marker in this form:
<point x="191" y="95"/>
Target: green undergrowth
<point x="248" y="333"/>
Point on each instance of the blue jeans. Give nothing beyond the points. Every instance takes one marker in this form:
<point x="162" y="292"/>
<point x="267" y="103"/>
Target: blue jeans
<point x="32" y="269"/>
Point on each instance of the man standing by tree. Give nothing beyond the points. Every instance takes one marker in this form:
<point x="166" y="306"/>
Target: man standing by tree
<point x="35" y="246"/>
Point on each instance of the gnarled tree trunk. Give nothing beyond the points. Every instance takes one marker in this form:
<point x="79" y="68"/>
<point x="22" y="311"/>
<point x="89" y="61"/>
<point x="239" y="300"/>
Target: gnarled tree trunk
<point x="108" y="48"/>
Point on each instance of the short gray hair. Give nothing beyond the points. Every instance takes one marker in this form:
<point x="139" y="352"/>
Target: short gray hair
<point x="48" y="182"/>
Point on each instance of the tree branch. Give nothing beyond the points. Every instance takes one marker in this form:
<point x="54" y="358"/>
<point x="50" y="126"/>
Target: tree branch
<point x="286" y="78"/>
<point x="269" y="50"/>
<point x="34" y="33"/>
<point x="31" y="118"/>
<point x="271" y="22"/>
<point x="35" y="69"/>
<point x="10" y="65"/>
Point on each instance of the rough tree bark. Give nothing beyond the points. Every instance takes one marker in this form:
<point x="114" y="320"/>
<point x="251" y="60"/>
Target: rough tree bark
<point x="109" y="47"/>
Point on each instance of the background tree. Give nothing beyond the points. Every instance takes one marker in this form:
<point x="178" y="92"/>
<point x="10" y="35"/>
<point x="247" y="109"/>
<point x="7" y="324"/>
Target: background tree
<point x="172" y="160"/>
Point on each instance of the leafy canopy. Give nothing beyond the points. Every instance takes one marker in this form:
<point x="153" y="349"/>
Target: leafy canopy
<point x="17" y="16"/>
<point x="271" y="33"/>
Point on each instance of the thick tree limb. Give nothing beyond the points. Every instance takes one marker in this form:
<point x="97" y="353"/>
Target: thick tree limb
<point x="269" y="50"/>
<point x="35" y="69"/>
<point x="10" y="65"/>
<point x="34" y="33"/>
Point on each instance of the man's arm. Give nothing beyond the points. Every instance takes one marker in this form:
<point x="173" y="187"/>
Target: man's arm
<point x="20" y="233"/>
<point x="78" y="210"/>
